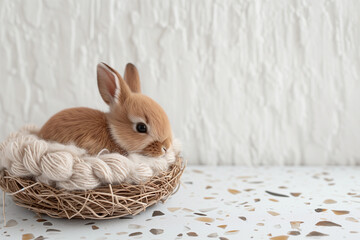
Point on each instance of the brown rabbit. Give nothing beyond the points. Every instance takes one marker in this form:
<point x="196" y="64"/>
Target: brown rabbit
<point x="134" y="124"/>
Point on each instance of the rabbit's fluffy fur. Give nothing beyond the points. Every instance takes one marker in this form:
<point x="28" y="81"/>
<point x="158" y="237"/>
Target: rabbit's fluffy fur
<point x="115" y="130"/>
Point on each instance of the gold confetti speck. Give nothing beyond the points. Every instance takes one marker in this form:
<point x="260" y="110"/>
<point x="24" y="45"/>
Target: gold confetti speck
<point x="282" y="237"/>
<point x="204" y="219"/>
<point x="231" y="232"/>
<point x="27" y="236"/>
<point x="233" y="191"/>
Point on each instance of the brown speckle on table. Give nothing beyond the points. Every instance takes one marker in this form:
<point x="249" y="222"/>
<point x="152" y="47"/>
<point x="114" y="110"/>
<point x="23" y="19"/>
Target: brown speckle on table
<point x="187" y="210"/>
<point x="249" y="189"/>
<point x="27" y="236"/>
<point x="281" y="237"/>
<point x="233" y="191"/>
<point x="156" y="231"/>
<point x="200" y="214"/>
<point x="11" y="223"/>
<point x="320" y="210"/>
<point x="256" y="182"/>
<point x="52" y="230"/>
<point x="47" y="224"/>
<point x="276" y="194"/>
<point x="40" y="238"/>
<point x="294" y="233"/>
<point x="296" y="224"/>
<point x="340" y="212"/>
<point x="204" y="219"/>
<point x="134" y="226"/>
<point x="173" y="209"/>
<point x="273" y="213"/>
<point x="231" y="232"/>
<point x="208" y="198"/>
<point x="295" y="194"/>
<point x="222" y="226"/>
<point x="212" y="235"/>
<point x="330" y="201"/>
<point x="41" y="220"/>
<point x="351" y="219"/>
<point x="316" y="234"/>
<point x="157" y="213"/>
<point x="327" y="224"/>
<point x="135" y="234"/>
<point x="94" y="227"/>
<point x="192" y="234"/>
<point x="242" y="218"/>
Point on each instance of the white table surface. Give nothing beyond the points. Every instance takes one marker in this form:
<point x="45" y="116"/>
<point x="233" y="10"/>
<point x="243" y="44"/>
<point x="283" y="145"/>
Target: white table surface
<point x="223" y="203"/>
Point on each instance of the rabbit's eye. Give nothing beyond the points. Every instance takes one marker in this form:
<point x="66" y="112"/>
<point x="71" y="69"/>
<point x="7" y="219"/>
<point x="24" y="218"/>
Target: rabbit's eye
<point x="141" y="127"/>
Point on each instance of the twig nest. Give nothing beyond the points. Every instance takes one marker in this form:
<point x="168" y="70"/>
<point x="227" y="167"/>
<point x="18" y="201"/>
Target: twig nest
<point x="64" y="181"/>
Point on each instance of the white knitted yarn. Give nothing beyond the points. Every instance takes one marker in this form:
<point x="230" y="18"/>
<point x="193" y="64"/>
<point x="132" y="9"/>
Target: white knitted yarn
<point x="23" y="154"/>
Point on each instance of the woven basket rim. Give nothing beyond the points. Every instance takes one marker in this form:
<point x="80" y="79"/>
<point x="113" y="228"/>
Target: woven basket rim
<point x="104" y="202"/>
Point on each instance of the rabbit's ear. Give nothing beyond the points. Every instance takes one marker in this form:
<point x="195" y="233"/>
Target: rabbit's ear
<point x="132" y="78"/>
<point x="112" y="87"/>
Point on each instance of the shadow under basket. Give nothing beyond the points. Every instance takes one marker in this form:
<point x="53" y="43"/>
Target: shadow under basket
<point x="105" y="202"/>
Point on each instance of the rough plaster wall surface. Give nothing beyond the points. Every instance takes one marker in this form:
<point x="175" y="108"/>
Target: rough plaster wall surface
<point x="243" y="82"/>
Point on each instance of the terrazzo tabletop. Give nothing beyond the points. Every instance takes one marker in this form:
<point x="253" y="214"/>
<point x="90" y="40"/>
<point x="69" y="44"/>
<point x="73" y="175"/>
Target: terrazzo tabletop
<point x="223" y="203"/>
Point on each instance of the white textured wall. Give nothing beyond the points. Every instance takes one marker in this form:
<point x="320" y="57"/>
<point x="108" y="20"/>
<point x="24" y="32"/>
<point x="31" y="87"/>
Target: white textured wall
<point x="243" y="82"/>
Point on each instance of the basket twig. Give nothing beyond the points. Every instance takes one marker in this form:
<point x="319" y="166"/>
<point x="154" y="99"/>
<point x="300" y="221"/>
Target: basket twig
<point x="105" y="202"/>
